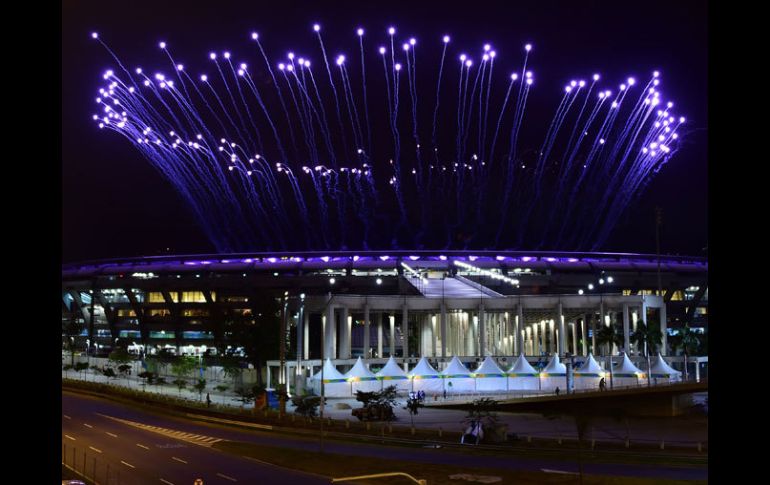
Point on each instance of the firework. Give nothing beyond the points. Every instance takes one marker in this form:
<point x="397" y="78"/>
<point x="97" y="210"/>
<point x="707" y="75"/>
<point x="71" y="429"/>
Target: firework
<point x="270" y="153"/>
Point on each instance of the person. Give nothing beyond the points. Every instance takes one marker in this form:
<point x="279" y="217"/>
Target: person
<point x="602" y="385"/>
<point x="557" y="391"/>
<point x="208" y="400"/>
<point x="444" y="393"/>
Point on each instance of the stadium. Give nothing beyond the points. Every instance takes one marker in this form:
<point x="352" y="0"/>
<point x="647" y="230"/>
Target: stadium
<point x="406" y="305"/>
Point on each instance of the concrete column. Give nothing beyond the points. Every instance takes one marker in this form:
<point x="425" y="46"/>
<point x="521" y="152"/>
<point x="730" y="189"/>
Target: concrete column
<point x="593" y="335"/>
<point x="519" y="347"/>
<point x="471" y="341"/>
<point x="306" y="339"/>
<point x="635" y="325"/>
<point x="574" y="338"/>
<point x="300" y="332"/>
<point x="392" y="328"/>
<point x="329" y="324"/>
<point x="535" y="339"/>
<point x="433" y="335"/>
<point x="443" y="329"/>
<point x="626" y="330"/>
<point x="367" y="341"/>
<point x="482" y="350"/>
<point x="379" y="335"/>
<point x="345" y="330"/>
<point x="664" y="328"/>
<point x="562" y="333"/>
<point x="405" y="328"/>
<point x="527" y="341"/>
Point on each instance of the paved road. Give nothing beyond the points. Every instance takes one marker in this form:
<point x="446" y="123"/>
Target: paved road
<point x="80" y="410"/>
<point x="128" y="454"/>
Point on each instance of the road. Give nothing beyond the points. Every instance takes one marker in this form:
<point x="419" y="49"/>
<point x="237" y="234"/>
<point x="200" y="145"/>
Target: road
<point x="169" y="457"/>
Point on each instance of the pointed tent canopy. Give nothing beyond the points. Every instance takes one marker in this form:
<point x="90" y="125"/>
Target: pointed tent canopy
<point x="590" y="368"/>
<point x="660" y="369"/>
<point x="362" y="379"/>
<point x="359" y="372"/>
<point x="489" y="377"/>
<point x="626" y="368"/>
<point x="555" y="367"/>
<point x="456" y="369"/>
<point x="423" y="370"/>
<point x="425" y="378"/>
<point x="331" y="374"/>
<point x="522" y="368"/>
<point x="391" y="371"/>
<point x="335" y="384"/>
<point x="457" y="377"/>
<point x="489" y="368"/>
<point x="554" y="374"/>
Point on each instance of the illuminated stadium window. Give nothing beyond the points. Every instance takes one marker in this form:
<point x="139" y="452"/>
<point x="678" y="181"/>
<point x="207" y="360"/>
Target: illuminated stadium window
<point x="702" y="310"/>
<point x="163" y="334"/>
<point x="677" y="296"/>
<point x="159" y="312"/>
<point x="198" y="335"/>
<point x="155" y="297"/>
<point x="626" y="292"/>
<point x="130" y="334"/>
<point x="193" y="297"/>
<point x="234" y="299"/>
<point x="246" y="312"/>
<point x="195" y="312"/>
<point x="124" y="312"/>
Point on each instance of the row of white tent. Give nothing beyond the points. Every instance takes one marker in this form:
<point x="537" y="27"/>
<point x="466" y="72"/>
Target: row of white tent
<point x="487" y="378"/>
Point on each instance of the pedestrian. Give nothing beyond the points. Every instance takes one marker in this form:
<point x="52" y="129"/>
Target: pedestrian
<point x="444" y="393"/>
<point x="602" y="384"/>
<point x="557" y="390"/>
<point x="208" y="400"/>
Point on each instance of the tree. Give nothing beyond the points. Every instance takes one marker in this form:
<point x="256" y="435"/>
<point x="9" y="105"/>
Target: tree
<point x="181" y="367"/>
<point x="67" y="368"/>
<point x="71" y="329"/>
<point x="483" y="410"/>
<point x="608" y="335"/>
<point x="231" y="368"/>
<point x="413" y="405"/>
<point x="377" y="406"/>
<point x="121" y="358"/>
<point x="200" y="386"/>
<point x="180" y="384"/>
<point x="688" y="341"/>
<point x="306" y="404"/>
<point x="81" y="366"/>
<point x="222" y="388"/>
<point x="246" y="395"/>
<point x="649" y="338"/>
<point x="109" y="372"/>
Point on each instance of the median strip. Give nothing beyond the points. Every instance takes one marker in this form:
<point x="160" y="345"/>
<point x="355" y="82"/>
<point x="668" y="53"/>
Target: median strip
<point x="66" y="417"/>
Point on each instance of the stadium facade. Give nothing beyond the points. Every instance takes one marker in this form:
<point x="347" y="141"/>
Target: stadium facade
<point x="436" y="304"/>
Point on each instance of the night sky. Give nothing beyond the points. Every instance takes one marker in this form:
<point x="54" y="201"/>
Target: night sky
<point x="115" y="204"/>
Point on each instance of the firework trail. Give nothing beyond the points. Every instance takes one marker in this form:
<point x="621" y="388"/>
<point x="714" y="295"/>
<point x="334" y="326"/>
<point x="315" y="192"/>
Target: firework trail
<point x="219" y="141"/>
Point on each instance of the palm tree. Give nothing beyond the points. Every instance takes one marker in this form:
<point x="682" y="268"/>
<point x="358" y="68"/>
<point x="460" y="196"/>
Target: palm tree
<point x="608" y="335"/>
<point x="649" y="338"/>
<point x="688" y="342"/>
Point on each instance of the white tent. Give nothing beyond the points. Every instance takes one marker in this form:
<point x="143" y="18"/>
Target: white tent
<point x="425" y="378"/>
<point x="554" y="375"/>
<point x="489" y="377"/>
<point x="361" y="378"/>
<point x="523" y="376"/>
<point x="589" y="374"/>
<point x="393" y="375"/>
<point x="662" y="373"/>
<point x="335" y="384"/>
<point x="627" y="374"/>
<point x="457" y="377"/>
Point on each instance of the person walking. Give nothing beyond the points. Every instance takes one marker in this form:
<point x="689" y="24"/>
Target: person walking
<point x="602" y="385"/>
<point x="208" y="400"/>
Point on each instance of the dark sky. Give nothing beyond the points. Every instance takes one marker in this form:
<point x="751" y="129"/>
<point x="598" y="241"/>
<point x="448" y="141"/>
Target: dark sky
<point x="115" y="204"/>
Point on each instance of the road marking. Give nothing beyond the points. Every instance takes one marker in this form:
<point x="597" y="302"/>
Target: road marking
<point x="95" y="449"/>
<point x="195" y="439"/>
<point x="166" y="482"/>
<point x="546" y="470"/>
<point x="226" y="477"/>
<point x="67" y="417"/>
<point x="113" y="435"/>
<point x="179" y="460"/>
<point x="142" y="446"/>
<point x="69" y="437"/>
<point x="87" y="425"/>
<point x="127" y="464"/>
